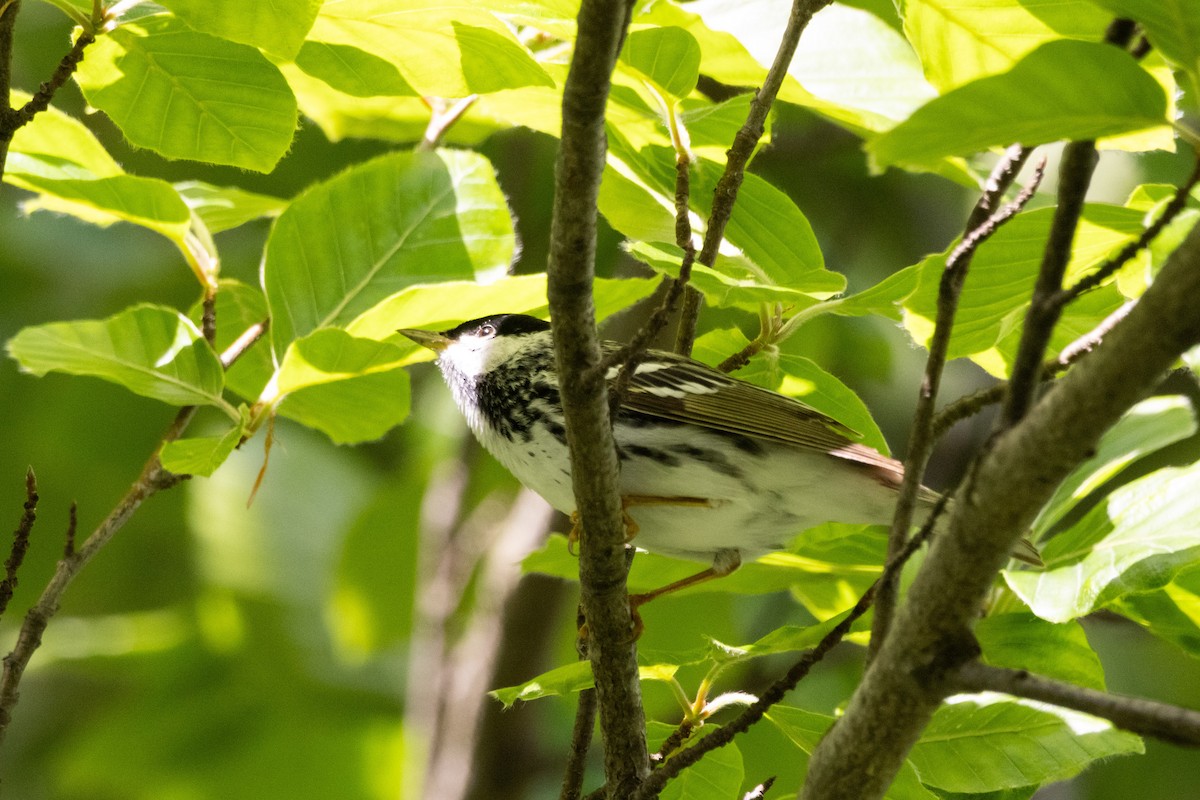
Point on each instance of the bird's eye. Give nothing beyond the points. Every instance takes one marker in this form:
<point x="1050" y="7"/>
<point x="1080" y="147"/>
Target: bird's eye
<point x="488" y="330"/>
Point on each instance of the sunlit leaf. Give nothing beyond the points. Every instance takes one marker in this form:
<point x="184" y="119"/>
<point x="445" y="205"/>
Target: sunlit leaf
<point x="190" y="95"/>
<point x="961" y="41"/>
<point x="1136" y="540"/>
<point x="150" y="350"/>
<point x="448" y="303"/>
<point x="351" y="389"/>
<point x="805" y="730"/>
<point x="1148" y="426"/>
<point x="226" y="207"/>
<point x="277" y="28"/>
<point x="440" y="51"/>
<point x="1085" y="90"/>
<point x="569" y="679"/>
<point x="1023" y="641"/>
<point x="353" y="71"/>
<point x="985" y="743"/>
<point x="199" y="455"/>
<point x="1171" y="27"/>
<point x="429" y="217"/>
<point x="668" y="56"/>
<point x="1171" y="613"/>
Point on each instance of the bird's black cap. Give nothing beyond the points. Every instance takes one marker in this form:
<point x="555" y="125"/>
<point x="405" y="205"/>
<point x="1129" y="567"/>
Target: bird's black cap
<point x="504" y="325"/>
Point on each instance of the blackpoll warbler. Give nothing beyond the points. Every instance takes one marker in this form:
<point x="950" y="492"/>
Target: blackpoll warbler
<point x="713" y="469"/>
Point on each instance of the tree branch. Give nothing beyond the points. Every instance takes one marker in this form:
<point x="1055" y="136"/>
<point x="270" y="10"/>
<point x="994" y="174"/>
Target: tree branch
<point x="1146" y="717"/>
<point x="776" y="691"/>
<point x="738" y="156"/>
<point x="918" y="665"/>
<point x="152" y="479"/>
<point x="1108" y="268"/>
<point x="20" y="544"/>
<point x="8" y="20"/>
<point x="983" y="221"/>
<point x="594" y="467"/>
<point x="581" y="740"/>
<point x="12" y="119"/>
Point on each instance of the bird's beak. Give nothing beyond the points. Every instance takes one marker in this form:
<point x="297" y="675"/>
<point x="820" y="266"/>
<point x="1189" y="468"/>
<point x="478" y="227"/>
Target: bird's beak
<point x="437" y="342"/>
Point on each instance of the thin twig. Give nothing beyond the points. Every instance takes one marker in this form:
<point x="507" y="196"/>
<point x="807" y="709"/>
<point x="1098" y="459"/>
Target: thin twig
<point x="760" y="791"/>
<point x="776" y="691"/>
<point x="983" y="221"/>
<point x="1074" y="177"/>
<point x="594" y="467"/>
<point x="747" y="138"/>
<point x="673" y="742"/>
<point x="72" y="525"/>
<point x="628" y="356"/>
<point x="20" y="544"/>
<point x="444" y="115"/>
<point x="1170" y="723"/>
<point x="8" y="20"/>
<point x="972" y="404"/>
<point x="45" y="93"/>
<point x="152" y="479"/>
<point x="244" y="342"/>
<point x="208" y="315"/>
<point x="581" y="740"/>
<point x="1108" y="268"/>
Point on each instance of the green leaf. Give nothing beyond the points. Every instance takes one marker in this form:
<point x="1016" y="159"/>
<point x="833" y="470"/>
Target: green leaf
<point x="200" y="455"/>
<point x="151" y="350"/>
<point x="1150" y="425"/>
<point x="1136" y="540"/>
<point x="1085" y="91"/>
<point x="569" y="679"/>
<point x="238" y="307"/>
<point x="353" y="71"/>
<point x="1172" y="26"/>
<point x="805" y="730"/>
<point x="982" y="744"/>
<point x="1023" y="641"/>
<point x="189" y="95"/>
<point x="1171" y="613"/>
<point x="147" y="202"/>
<point x="61" y="139"/>
<point x="223" y="208"/>
<point x="440" y="51"/>
<point x="855" y="68"/>
<point x="669" y="57"/>
<point x="451" y="302"/>
<point x="735" y="282"/>
<point x="278" y="29"/>
<point x="776" y="238"/>
<point x="718" y="775"/>
<point x="788" y="639"/>
<point x="961" y="41"/>
<point x="351" y="389"/>
<point x="428" y="217"/>
<point x="994" y="300"/>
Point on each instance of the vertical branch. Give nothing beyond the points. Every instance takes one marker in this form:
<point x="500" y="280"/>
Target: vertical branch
<point x="919" y="663"/>
<point x="1075" y="175"/>
<point x="20" y="544"/>
<point x="920" y="443"/>
<point x="8" y="20"/>
<point x="738" y="156"/>
<point x="594" y="464"/>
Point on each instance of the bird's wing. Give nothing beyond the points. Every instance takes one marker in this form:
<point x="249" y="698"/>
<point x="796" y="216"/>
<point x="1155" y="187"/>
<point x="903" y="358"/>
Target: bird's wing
<point x="671" y="387"/>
